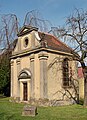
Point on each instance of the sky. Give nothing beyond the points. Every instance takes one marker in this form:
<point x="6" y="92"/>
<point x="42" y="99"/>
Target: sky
<point x="55" y="11"/>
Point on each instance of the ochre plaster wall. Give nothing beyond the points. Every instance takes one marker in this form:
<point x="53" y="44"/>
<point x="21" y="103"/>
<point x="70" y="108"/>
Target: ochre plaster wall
<point x="25" y="62"/>
<point x="15" y="80"/>
<point x="33" y="42"/>
<point x="37" y="76"/>
<point x="55" y="88"/>
<point x="81" y="88"/>
<point x="55" y="77"/>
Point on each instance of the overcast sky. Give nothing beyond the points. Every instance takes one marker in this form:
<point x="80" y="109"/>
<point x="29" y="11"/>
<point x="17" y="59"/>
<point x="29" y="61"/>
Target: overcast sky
<point x="53" y="10"/>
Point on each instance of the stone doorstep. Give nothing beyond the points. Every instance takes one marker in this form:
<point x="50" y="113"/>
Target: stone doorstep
<point x="29" y="110"/>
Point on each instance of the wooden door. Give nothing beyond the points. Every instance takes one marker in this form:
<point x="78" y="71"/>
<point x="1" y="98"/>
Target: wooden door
<point x="25" y="91"/>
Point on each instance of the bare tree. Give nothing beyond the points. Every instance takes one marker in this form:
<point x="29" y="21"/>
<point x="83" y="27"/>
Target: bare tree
<point x="8" y="33"/>
<point x="34" y="19"/>
<point x="75" y="32"/>
<point x="8" y="30"/>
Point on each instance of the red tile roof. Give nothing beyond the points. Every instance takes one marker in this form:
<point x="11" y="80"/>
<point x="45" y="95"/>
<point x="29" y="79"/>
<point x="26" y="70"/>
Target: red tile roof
<point x="47" y="40"/>
<point x="54" y="43"/>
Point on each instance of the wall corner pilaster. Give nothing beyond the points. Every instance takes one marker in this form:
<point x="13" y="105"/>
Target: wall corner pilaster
<point x="12" y="76"/>
<point x="43" y="57"/>
<point x="32" y="87"/>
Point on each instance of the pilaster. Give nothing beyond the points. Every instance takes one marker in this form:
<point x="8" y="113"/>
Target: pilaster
<point x="19" y="43"/>
<point x="12" y="76"/>
<point x="21" y="91"/>
<point x="33" y="40"/>
<point x="18" y="62"/>
<point x="43" y="57"/>
<point x="32" y="83"/>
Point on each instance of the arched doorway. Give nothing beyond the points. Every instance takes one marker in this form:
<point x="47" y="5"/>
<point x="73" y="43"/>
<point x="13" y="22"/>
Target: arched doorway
<point x="24" y="79"/>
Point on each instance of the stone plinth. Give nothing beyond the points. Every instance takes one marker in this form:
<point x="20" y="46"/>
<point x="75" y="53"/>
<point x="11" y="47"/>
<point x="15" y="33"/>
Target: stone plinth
<point x="29" y="110"/>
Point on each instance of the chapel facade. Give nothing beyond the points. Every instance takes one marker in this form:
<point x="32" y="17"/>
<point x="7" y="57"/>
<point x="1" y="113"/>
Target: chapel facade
<point x="42" y="68"/>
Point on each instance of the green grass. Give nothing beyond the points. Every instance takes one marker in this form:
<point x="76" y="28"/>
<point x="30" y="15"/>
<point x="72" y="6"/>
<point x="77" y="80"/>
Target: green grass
<point x="12" y="111"/>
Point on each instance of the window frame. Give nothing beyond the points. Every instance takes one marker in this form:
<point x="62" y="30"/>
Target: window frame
<point x="66" y="79"/>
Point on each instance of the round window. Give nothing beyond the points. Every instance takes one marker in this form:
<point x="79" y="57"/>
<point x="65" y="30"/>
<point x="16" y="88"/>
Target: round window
<point x="26" y="42"/>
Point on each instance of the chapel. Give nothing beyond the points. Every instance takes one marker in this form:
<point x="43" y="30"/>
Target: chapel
<point x="43" y="68"/>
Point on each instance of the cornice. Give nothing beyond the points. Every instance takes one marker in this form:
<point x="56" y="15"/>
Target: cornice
<point x="28" y="52"/>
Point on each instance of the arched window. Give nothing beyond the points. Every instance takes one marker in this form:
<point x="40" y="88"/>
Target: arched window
<point x="65" y="73"/>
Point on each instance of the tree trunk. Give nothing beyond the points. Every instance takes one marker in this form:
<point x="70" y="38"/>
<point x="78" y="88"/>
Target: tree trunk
<point x="85" y="88"/>
<point x="85" y="82"/>
<point x="85" y="91"/>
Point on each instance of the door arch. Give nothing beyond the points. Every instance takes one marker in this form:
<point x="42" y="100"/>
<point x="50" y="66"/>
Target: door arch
<point x="24" y="78"/>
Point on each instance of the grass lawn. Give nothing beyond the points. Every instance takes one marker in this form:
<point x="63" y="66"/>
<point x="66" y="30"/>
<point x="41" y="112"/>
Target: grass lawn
<point x="12" y="111"/>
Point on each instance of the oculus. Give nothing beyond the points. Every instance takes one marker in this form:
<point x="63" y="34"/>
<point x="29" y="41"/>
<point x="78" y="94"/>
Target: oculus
<point x="26" y="41"/>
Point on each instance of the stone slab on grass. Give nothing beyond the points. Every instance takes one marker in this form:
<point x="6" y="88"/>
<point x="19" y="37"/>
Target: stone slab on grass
<point x="29" y="110"/>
